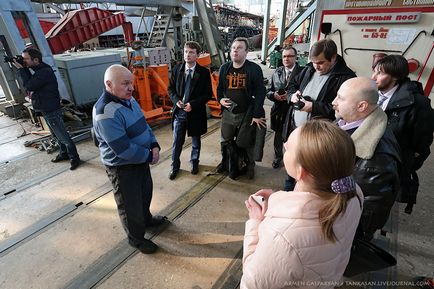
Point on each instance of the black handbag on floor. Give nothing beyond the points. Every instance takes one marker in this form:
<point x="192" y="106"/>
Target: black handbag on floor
<point x="366" y="257"/>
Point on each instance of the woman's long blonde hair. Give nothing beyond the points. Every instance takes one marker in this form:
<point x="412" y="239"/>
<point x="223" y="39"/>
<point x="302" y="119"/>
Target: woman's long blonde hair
<point x="327" y="153"/>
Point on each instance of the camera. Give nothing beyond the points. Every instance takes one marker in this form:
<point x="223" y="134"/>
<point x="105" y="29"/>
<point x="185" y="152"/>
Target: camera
<point x="300" y="104"/>
<point x="17" y="58"/>
<point x="233" y="106"/>
<point x="281" y="91"/>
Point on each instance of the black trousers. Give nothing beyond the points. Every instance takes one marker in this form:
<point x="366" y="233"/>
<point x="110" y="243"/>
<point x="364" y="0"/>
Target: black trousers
<point x="278" y="145"/>
<point x="132" y="188"/>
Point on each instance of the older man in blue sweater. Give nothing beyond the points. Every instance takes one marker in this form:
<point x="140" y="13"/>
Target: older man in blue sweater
<point x="127" y="145"/>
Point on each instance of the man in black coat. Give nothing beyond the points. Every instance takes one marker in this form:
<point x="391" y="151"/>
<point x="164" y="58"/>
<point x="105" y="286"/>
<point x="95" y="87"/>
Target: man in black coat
<point x="378" y="157"/>
<point x="189" y="89"/>
<point x="43" y="89"/>
<point x="277" y="94"/>
<point x="241" y="93"/>
<point x="409" y="115"/>
<point x="314" y="88"/>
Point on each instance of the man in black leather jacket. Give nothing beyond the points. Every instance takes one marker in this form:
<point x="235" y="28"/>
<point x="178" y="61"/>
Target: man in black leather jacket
<point x="320" y="80"/>
<point x="409" y="116"/>
<point x="280" y="80"/>
<point x="377" y="163"/>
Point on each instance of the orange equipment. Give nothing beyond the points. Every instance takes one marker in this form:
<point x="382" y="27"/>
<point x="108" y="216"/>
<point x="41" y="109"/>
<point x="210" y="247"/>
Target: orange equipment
<point x="150" y="90"/>
<point x="215" y="108"/>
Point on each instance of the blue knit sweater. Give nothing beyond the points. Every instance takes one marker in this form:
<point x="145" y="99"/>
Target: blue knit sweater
<point x="122" y="131"/>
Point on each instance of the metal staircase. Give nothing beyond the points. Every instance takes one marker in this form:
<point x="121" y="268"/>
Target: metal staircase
<point x="159" y="30"/>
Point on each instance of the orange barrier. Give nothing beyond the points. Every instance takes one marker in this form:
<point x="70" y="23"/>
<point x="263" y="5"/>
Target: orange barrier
<point x="150" y="90"/>
<point x="215" y="108"/>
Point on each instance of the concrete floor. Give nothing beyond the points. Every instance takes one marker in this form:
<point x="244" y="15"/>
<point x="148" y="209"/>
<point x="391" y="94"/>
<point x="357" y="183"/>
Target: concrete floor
<point x="60" y="229"/>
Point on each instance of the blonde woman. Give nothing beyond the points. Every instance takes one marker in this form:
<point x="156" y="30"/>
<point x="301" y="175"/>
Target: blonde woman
<point x="303" y="238"/>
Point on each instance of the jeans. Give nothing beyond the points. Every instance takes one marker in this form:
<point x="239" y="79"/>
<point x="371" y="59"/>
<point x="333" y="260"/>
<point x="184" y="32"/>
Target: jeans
<point x="54" y="121"/>
<point x="179" y="131"/>
<point x="132" y="188"/>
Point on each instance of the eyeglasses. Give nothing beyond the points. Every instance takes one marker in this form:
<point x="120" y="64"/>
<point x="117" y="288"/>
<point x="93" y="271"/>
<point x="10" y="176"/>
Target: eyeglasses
<point x="289" y="56"/>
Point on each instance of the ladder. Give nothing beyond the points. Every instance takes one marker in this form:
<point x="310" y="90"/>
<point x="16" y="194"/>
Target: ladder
<point x="159" y="30"/>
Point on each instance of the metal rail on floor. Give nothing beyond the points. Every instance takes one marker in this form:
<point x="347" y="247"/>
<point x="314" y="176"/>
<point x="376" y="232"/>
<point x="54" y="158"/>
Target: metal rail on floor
<point x="37" y="228"/>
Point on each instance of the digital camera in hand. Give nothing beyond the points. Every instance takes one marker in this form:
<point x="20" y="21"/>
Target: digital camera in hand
<point x="17" y="58"/>
<point x="281" y="91"/>
<point x="232" y="106"/>
<point x="300" y="104"/>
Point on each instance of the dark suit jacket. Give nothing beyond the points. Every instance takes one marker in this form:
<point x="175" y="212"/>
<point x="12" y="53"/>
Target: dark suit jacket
<point x="200" y="93"/>
<point x="280" y="108"/>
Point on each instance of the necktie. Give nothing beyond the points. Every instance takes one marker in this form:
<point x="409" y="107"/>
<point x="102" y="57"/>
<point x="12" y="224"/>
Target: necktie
<point x="287" y="76"/>
<point x="381" y="99"/>
<point x="187" y="87"/>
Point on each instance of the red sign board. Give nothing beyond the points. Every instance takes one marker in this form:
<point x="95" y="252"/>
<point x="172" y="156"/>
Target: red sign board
<point x="403" y="17"/>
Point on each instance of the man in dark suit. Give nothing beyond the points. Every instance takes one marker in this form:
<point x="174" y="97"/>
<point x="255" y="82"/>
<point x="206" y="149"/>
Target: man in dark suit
<point x="189" y="89"/>
<point x="277" y="93"/>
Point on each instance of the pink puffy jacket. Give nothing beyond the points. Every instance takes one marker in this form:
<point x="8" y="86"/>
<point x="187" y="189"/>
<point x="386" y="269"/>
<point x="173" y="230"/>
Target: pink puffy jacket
<point x="287" y="249"/>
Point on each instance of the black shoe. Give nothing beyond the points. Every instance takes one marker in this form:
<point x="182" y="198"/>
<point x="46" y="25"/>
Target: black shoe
<point x="220" y="169"/>
<point x="276" y="164"/>
<point x="250" y="173"/>
<point x="60" y="158"/>
<point x="146" y="246"/>
<point x="173" y="174"/>
<point x="409" y="209"/>
<point x="156" y="221"/>
<point x="194" y="169"/>
<point x="74" y="164"/>
<point x="234" y="175"/>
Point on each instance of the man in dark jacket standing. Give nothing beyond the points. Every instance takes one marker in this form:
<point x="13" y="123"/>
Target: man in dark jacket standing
<point x="189" y="89"/>
<point x="43" y="88"/>
<point x="277" y="93"/>
<point x="409" y="115"/>
<point x="314" y="88"/>
<point x="241" y="92"/>
<point x="377" y="151"/>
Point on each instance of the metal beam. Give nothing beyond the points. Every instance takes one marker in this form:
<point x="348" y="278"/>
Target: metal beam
<point x="210" y="31"/>
<point x="265" y="32"/>
<point x="8" y="28"/>
<point x="147" y="3"/>
<point x="295" y="24"/>
<point x="282" y="23"/>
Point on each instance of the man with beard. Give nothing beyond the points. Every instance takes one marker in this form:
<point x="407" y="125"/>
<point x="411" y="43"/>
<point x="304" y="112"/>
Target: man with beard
<point x="410" y="117"/>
